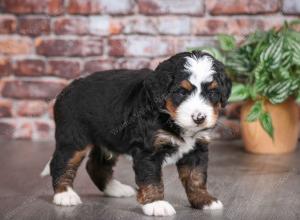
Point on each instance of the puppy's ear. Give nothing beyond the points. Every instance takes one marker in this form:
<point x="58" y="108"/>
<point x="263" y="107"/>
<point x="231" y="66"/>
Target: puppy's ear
<point x="224" y="82"/>
<point x="157" y="86"/>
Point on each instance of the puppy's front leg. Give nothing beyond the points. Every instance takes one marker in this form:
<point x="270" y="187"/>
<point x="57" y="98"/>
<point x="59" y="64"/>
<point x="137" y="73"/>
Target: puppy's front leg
<point x="192" y="169"/>
<point x="148" y="177"/>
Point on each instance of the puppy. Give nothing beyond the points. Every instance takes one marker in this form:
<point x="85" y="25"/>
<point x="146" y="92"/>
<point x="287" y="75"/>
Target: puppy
<point x="157" y="117"/>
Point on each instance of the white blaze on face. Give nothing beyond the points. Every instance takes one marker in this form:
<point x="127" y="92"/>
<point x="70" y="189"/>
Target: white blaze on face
<point x="201" y="70"/>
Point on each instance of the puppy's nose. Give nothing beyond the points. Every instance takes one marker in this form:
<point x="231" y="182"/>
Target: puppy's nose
<point x="198" y="118"/>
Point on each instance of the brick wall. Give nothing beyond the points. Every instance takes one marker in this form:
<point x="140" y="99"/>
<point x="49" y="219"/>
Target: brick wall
<point x="46" y="43"/>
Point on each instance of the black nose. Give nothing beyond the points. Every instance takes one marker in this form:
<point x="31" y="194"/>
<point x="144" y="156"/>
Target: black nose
<point x="199" y="118"/>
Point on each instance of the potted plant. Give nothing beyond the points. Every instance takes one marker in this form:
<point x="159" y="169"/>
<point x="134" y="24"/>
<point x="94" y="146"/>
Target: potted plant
<point x="265" y="69"/>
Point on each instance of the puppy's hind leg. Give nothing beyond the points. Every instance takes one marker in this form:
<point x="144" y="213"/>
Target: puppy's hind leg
<point x="100" y="169"/>
<point x="63" y="167"/>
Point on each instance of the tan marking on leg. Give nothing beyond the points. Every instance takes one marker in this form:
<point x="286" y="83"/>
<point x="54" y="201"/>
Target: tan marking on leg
<point x="193" y="181"/>
<point x="69" y="174"/>
<point x="150" y="193"/>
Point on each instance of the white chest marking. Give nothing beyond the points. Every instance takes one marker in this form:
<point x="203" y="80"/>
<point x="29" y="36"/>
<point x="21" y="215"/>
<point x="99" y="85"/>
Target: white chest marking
<point x="184" y="147"/>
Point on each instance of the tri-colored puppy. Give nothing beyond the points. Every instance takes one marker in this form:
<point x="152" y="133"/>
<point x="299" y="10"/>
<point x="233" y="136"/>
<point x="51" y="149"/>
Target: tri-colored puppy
<point x="157" y="117"/>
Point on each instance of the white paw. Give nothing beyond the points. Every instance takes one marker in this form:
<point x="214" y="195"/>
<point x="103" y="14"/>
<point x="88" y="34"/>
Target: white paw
<point x="214" y="205"/>
<point x="67" y="198"/>
<point x="116" y="189"/>
<point x="158" y="208"/>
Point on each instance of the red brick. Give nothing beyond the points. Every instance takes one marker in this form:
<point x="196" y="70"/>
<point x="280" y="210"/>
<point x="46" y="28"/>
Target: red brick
<point x="7" y="129"/>
<point x="64" y="68"/>
<point x="92" y="46"/>
<point x="32" y="89"/>
<point x="134" y="63"/>
<point x="210" y="26"/>
<point x="92" y="66"/>
<point x="53" y="7"/>
<point x="83" y="7"/>
<point x="30" y="67"/>
<point x="34" y="25"/>
<point x="115" y="27"/>
<point x="95" y="25"/>
<point x="58" y="47"/>
<point x="291" y="7"/>
<point x="71" y="25"/>
<point x="144" y="46"/>
<point x="117" y="47"/>
<point x="188" y="43"/>
<point x="44" y="130"/>
<point x="236" y="26"/>
<point x="24" y="6"/>
<point x="5" y="108"/>
<point x="8" y="24"/>
<point x="101" y="6"/>
<point x="139" y="25"/>
<point x="277" y="22"/>
<point x="156" y="7"/>
<point x="31" y="108"/>
<point x="15" y="45"/>
<point x="174" y="25"/>
<point x="69" y="47"/>
<point x="5" y="67"/>
<point x="24" y="130"/>
<point x="218" y="7"/>
<point x="117" y="7"/>
<point x="104" y="25"/>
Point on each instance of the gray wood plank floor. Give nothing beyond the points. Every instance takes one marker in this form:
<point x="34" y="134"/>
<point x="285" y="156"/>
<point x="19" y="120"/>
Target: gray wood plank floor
<point x="250" y="186"/>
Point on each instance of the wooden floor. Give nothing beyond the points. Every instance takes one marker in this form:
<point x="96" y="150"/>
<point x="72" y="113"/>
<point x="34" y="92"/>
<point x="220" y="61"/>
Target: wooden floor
<point x="251" y="187"/>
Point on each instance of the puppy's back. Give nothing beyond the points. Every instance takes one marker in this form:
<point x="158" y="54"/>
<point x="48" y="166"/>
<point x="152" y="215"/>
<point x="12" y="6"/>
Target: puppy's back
<point x="99" y="101"/>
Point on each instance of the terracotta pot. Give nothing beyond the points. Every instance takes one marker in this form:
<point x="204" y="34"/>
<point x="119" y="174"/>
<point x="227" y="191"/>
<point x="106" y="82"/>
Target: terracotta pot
<point x="285" y="117"/>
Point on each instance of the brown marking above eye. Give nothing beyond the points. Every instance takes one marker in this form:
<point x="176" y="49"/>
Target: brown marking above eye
<point x="171" y="108"/>
<point x="213" y="85"/>
<point x="185" y="84"/>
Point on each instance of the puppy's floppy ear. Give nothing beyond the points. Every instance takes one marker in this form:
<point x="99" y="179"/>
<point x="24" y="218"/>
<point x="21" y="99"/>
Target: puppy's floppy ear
<point x="223" y="81"/>
<point x="157" y="86"/>
<point x="160" y="82"/>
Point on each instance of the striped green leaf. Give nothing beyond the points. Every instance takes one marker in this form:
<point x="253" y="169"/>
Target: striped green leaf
<point x="266" y="122"/>
<point x="239" y="93"/>
<point x="255" y="112"/>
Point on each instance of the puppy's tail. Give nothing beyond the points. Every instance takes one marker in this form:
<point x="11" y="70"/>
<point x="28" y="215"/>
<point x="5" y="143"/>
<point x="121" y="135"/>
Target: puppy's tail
<point x="46" y="170"/>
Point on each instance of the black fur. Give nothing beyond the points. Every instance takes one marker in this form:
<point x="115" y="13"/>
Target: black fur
<point x="121" y="111"/>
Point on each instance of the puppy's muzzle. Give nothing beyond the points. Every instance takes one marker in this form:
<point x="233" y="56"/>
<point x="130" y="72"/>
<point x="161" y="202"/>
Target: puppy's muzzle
<point x="198" y="118"/>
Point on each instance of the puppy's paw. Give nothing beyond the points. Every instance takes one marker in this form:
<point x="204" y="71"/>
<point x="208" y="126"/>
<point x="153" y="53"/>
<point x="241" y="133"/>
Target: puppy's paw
<point x="116" y="189"/>
<point x="67" y="198"/>
<point x="214" y="205"/>
<point x="158" y="208"/>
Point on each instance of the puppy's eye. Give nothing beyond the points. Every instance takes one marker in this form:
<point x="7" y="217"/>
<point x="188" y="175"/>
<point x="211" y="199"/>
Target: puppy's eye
<point x="182" y="92"/>
<point x="213" y="94"/>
